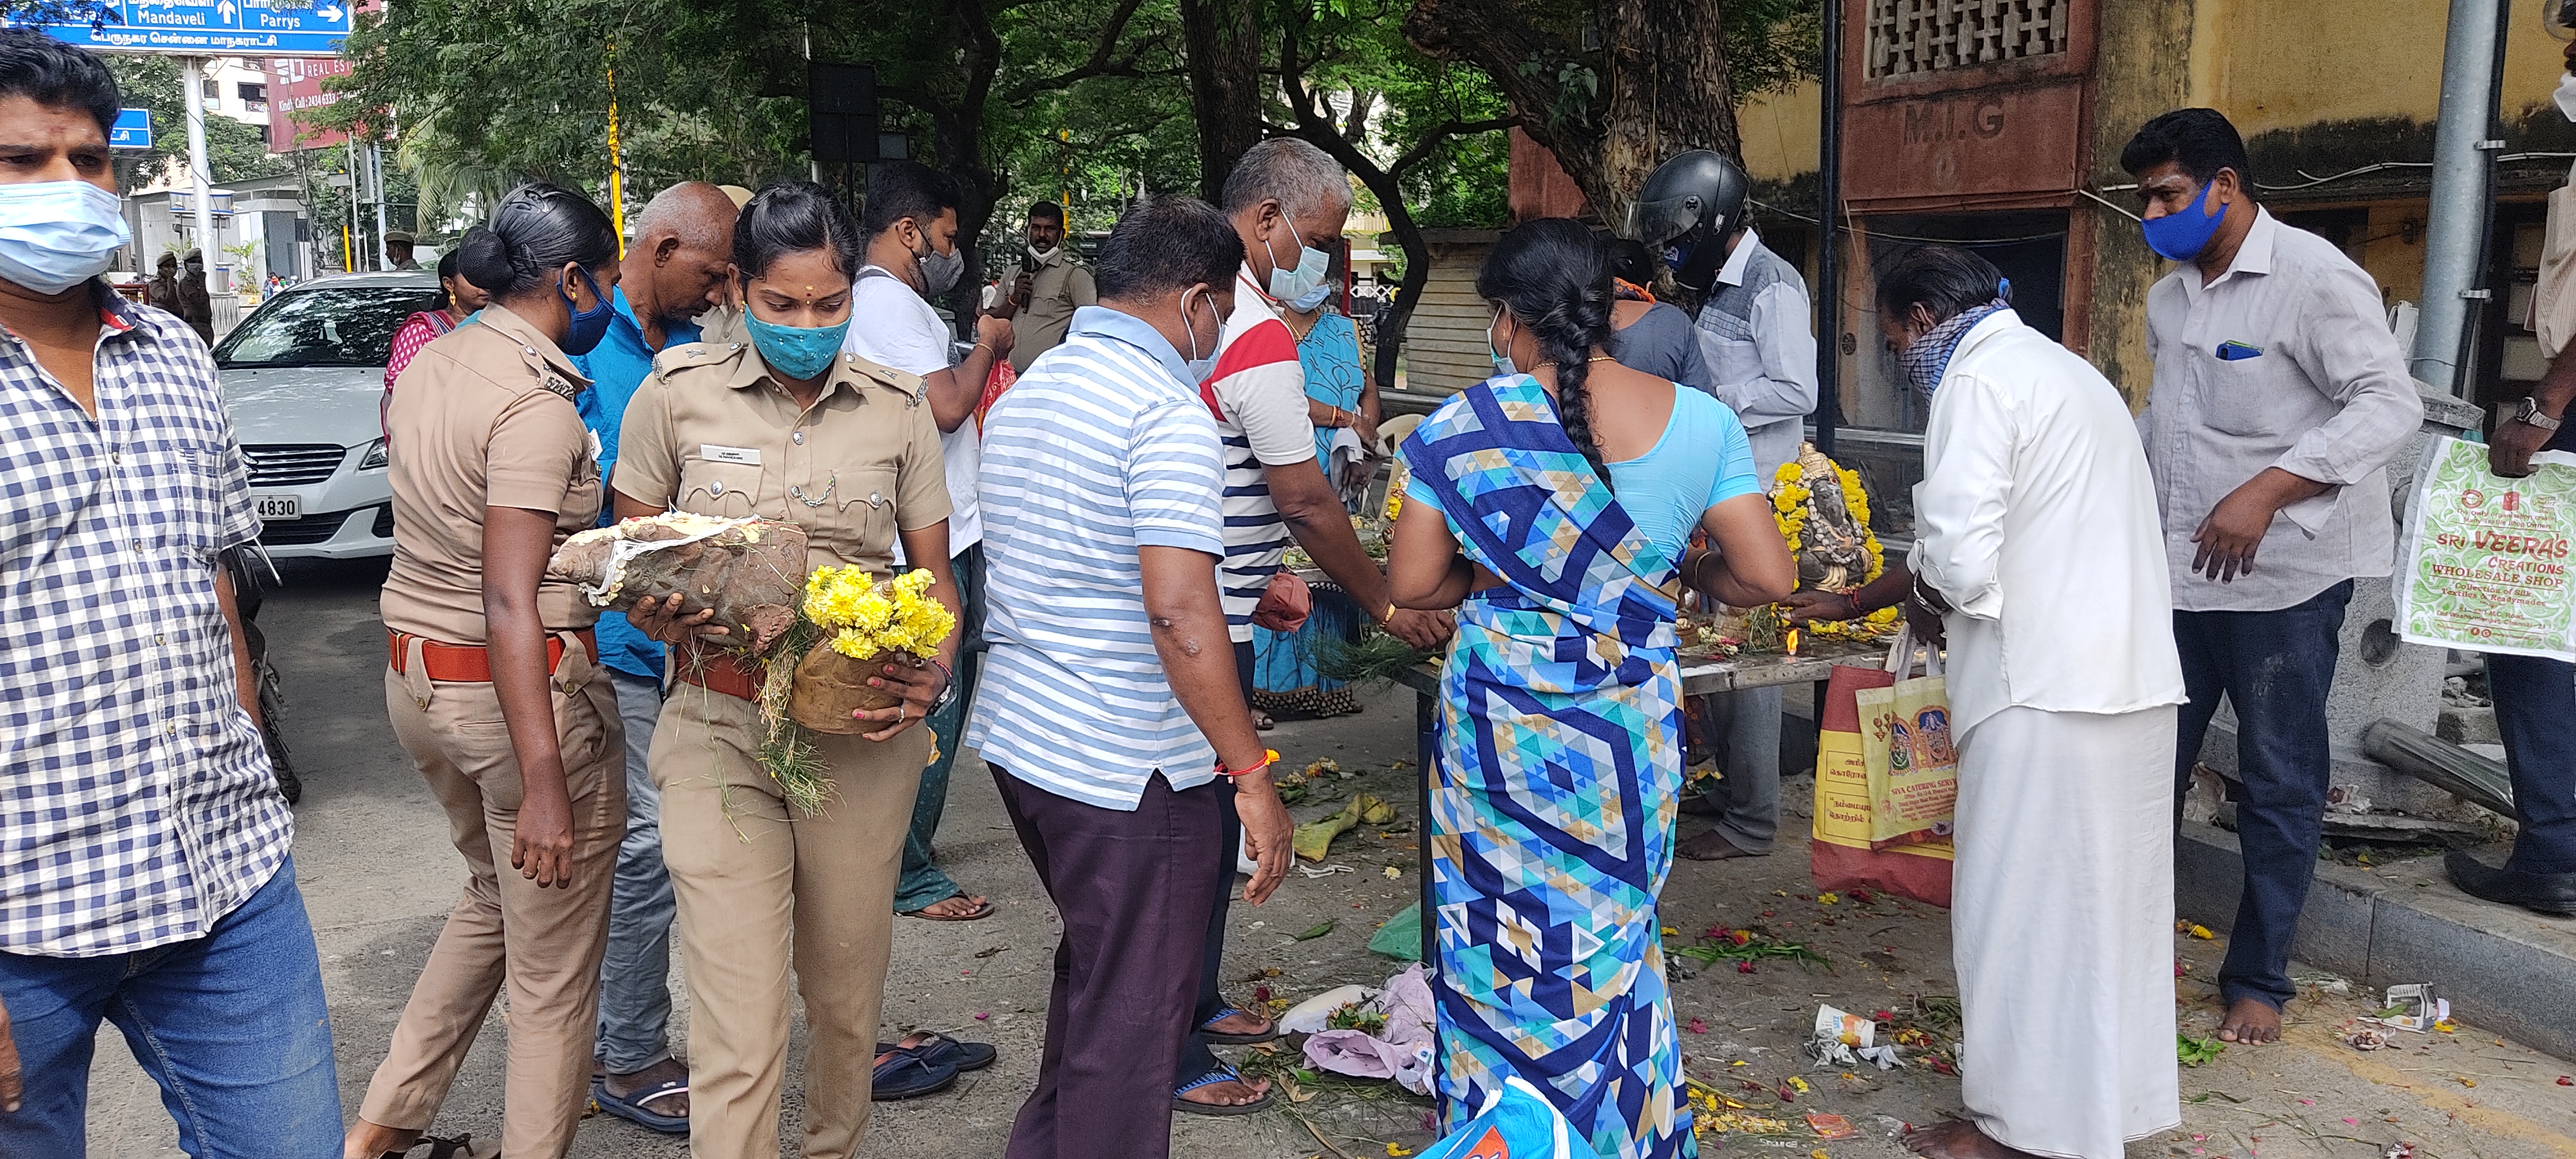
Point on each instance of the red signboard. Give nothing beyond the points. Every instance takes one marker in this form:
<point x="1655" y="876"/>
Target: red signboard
<point x="294" y="92"/>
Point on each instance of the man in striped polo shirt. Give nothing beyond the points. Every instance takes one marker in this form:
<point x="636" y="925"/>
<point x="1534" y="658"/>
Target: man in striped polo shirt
<point x="1111" y="705"/>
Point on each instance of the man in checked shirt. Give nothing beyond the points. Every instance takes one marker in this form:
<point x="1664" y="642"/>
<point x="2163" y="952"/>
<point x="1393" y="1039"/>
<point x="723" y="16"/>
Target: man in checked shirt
<point x="144" y="876"/>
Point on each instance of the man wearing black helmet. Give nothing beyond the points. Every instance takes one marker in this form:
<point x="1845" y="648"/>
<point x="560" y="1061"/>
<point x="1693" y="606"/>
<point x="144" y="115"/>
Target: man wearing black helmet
<point x="1754" y="334"/>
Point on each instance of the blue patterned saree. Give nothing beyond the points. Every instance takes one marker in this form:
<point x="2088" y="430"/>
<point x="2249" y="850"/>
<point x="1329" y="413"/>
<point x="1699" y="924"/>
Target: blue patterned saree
<point x="1559" y="782"/>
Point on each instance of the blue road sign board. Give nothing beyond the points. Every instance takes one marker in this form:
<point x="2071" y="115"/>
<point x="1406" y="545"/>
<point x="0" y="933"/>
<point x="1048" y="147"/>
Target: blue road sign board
<point x="212" y="27"/>
<point x="133" y="130"/>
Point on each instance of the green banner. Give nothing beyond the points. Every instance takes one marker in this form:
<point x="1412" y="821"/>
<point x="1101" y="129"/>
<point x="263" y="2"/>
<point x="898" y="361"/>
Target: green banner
<point x="2484" y="565"/>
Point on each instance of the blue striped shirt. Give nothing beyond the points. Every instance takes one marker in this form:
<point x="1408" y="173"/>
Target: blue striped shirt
<point x="1101" y="448"/>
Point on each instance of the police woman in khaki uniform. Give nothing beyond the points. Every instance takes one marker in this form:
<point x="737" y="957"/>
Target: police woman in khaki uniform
<point x="786" y="427"/>
<point x="492" y="686"/>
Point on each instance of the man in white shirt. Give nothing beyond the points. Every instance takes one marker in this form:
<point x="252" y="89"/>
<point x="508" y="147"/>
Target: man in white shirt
<point x="2280" y="396"/>
<point x="2040" y="555"/>
<point x="912" y="257"/>
<point x="1287" y="201"/>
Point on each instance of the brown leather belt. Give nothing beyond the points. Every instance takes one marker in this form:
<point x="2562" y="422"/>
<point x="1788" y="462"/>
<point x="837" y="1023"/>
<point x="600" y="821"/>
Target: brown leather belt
<point x="470" y="663"/>
<point x="716" y="671"/>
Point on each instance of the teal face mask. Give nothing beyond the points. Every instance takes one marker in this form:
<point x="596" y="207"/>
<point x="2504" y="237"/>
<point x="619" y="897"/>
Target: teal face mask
<point x="799" y="352"/>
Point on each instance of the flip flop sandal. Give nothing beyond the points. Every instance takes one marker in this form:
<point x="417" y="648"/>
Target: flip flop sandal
<point x="1251" y="1039"/>
<point x="940" y="1050"/>
<point x="637" y="1107"/>
<point x="460" y="1147"/>
<point x="977" y="914"/>
<point x="909" y="1076"/>
<point x="1222" y="1074"/>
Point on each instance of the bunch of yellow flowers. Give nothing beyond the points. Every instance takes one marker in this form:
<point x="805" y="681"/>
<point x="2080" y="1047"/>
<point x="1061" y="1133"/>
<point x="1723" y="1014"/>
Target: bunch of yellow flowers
<point x="1789" y="502"/>
<point x="866" y="616"/>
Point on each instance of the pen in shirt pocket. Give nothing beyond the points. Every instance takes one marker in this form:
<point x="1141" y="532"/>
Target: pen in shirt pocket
<point x="2234" y="351"/>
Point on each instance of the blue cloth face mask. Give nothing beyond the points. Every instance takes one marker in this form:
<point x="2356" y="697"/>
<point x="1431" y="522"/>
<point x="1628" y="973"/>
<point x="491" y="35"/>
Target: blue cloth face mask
<point x="1199" y="367"/>
<point x="55" y="235"/>
<point x="2181" y="236"/>
<point x="588" y="326"/>
<point x="799" y="352"/>
<point x="1293" y="286"/>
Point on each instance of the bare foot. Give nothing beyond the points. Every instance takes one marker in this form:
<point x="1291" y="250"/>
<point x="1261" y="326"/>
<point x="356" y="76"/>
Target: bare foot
<point x="367" y="1140"/>
<point x="1239" y="1022"/>
<point x="1957" y="1140"/>
<point x="1712" y="846"/>
<point x="667" y="1070"/>
<point x="2251" y="1021"/>
<point x="959" y="908"/>
<point x="1230" y="1093"/>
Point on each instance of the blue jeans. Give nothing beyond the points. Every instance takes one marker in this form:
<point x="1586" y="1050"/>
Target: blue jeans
<point x="2535" y="698"/>
<point x="635" y="973"/>
<point x="923" y="884"/>
<point x="231" y="1025"/>
<point x="2275" y="668"/>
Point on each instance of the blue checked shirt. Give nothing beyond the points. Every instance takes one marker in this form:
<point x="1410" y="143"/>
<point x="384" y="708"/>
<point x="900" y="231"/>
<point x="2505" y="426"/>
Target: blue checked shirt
<point x="137" y="806"/>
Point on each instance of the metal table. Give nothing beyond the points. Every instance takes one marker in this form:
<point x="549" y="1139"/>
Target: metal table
<point x="1812" y="665"/>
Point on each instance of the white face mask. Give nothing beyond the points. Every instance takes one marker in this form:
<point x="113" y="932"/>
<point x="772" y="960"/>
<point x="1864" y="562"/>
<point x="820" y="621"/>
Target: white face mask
<point x="1289" y="285"/>
<point x="1040" y="256"/>
<point x="55" y="235"/>
<point x="2565" y="97"/>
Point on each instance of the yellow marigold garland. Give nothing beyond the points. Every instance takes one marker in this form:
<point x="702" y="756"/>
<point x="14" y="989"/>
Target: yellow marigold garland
<point x="1789" y="506"/>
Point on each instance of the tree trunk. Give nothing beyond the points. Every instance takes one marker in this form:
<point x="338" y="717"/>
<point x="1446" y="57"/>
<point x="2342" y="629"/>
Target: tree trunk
<point x="1668" y="91"/>
<point x="1225" y="85"/>
<point x="1667" y="88"/>
<point x="959" y="133"/>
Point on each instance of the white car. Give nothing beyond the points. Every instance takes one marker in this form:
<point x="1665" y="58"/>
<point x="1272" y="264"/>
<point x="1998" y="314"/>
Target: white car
<point x="303" y="377"/>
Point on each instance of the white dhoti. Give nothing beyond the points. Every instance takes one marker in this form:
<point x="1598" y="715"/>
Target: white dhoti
<point x="2062" y="927"/>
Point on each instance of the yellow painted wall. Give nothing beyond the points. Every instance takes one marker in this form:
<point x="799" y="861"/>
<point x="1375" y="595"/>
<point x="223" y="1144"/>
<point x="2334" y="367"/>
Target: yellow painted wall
<point x="2282" y="64"/>
<point x="1779" y="132"/>
<point x="2393" y="250"/>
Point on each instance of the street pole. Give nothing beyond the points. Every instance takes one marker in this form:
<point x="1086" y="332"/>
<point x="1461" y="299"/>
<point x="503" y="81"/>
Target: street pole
<point x="2456" y="221"/>
<point x="376" y="175"/>
<point x="192" y="79"/>
<point x="1829" y="295"/>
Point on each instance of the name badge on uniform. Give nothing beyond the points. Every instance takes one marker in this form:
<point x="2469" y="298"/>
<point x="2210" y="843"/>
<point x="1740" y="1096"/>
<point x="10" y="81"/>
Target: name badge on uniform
<point x="595" y="448"/>
<point x="746" y="456"/>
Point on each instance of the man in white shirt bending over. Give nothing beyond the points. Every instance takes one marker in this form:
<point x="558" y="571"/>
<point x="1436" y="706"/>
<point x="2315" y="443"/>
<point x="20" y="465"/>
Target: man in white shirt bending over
<point x="913" y="257"/>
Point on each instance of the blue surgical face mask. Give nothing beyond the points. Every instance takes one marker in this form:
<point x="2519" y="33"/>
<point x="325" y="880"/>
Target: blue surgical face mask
<point x="2181" y="236"/>
<point x="1292" y="286"/>
<point x="799" y="352"/>
<point x="588" y="326"/>
<point x="1200" y="366"/>
<point x="1502" y="361"/>
<point x="55" y="235"/>
<point x="1313" y="299"/>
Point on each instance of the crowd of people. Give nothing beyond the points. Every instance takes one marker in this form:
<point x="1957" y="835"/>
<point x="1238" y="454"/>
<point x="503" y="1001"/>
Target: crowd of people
<point x="1110" y="531"/>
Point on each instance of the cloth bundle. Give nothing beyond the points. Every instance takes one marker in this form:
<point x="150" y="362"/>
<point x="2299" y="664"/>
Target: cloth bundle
<point x="750" y="571"/>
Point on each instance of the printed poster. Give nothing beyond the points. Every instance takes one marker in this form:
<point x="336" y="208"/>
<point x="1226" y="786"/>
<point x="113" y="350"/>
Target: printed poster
<point x="2484" y="564"/>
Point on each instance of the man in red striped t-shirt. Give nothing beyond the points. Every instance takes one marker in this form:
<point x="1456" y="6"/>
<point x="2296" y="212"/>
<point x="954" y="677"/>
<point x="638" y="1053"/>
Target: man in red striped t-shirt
<point x="1288" y="201"/>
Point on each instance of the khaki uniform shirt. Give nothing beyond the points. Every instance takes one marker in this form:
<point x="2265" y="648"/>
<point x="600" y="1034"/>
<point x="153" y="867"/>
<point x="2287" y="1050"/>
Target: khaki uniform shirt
<point x="1061" y="285"/>
<point x="485" y="419"/>
<point x="711" y="432"/>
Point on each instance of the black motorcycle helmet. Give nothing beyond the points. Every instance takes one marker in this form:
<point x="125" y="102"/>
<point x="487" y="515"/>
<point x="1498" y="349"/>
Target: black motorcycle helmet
<point x="1687" y="209"/>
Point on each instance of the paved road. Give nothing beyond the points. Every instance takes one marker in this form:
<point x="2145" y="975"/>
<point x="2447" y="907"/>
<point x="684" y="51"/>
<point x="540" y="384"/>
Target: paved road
<point x="379" y="877"/>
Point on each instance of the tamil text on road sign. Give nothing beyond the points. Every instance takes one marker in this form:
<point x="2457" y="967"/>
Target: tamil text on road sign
<point x="2485" y="561"/>
<point x="214" y="27"/>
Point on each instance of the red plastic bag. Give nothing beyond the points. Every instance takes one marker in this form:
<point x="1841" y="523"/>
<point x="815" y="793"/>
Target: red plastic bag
<point x="1840" y="856"/>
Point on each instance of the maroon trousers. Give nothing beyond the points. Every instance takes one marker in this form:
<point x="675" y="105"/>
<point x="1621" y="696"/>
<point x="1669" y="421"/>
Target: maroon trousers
<point x="1135" y="894"/>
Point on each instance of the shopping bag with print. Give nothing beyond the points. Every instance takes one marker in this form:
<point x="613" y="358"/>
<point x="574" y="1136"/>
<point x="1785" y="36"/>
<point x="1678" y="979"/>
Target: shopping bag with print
<point x="1517" y="1123"/>
<point x="1842" y="856"/>
<point x="1913" y="765"/>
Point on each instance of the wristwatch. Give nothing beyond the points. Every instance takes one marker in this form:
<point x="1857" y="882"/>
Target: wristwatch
<point x="2528" y="411"/>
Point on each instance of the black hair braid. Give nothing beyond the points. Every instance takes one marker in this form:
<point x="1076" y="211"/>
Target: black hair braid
<point x="1553" y="276"/>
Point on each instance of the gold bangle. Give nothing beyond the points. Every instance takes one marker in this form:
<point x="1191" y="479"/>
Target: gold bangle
<point x="1389" y="616"/>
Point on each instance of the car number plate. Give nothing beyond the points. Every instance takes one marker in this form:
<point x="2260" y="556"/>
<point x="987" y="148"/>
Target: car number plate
<point x="276" y="507"/>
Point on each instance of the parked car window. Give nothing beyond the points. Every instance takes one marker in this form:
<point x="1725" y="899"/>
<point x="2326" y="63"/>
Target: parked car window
<point x="329" y="327"/>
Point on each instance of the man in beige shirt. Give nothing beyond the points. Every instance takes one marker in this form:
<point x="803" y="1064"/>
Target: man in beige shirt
<point x="1042" y="289"/>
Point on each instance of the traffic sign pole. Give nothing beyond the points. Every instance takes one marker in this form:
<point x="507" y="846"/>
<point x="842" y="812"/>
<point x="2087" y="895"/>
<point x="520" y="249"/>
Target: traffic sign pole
<point x="192" y="78"/>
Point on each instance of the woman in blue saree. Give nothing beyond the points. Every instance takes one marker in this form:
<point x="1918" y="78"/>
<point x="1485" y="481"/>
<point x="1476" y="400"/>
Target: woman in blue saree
<point x="1286" y="675"/>
<point x="1552" y="505"/>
